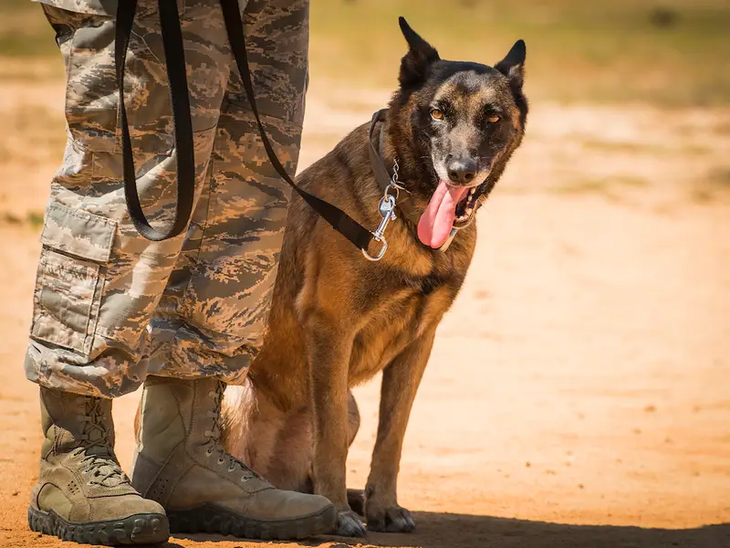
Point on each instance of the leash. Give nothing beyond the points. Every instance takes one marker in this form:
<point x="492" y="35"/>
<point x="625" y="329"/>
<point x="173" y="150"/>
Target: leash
<point x="175" y="60"/>
<point x="173" y="47"/>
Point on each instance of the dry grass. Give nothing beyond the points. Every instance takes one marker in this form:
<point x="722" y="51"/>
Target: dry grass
<point x="670" y="52"/>
<point x="31" y="134"/>
<point x="610" y="187"/>
<point x="33" y="219"/>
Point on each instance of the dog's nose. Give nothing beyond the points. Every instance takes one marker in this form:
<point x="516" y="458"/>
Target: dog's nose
<point x="462" y="170"/>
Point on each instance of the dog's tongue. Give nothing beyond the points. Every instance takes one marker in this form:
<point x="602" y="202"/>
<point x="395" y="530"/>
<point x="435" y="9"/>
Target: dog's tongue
<point x="438" y="219"/>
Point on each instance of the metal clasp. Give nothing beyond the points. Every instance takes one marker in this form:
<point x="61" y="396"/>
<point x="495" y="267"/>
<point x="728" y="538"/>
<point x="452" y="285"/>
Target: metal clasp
<point x="380" y="253"/>
<point x="386" y="208"/>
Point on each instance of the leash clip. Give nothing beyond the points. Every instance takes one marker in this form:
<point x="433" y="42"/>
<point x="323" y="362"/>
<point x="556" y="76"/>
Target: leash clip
<point x="386" y="208"/>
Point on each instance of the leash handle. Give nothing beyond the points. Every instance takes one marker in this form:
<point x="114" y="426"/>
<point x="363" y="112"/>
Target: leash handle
<point x="340" y="221"/>
<point x="185" y="156"/>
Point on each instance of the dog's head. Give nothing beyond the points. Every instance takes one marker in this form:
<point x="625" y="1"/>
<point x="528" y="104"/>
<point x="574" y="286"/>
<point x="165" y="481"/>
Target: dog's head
<point x="456" y="125"/>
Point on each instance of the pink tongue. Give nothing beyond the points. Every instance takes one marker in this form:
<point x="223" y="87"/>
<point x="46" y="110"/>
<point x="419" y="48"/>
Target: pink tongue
<point x="438" y="219"/>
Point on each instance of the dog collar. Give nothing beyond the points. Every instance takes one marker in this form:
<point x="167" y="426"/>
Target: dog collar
<point x="388" y="184"/>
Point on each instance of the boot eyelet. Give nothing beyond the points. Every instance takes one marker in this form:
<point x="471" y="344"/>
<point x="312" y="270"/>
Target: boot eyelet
<point x="231" y="469"/>
<point x="221" y="461"/>
<point x="208" y="452"/>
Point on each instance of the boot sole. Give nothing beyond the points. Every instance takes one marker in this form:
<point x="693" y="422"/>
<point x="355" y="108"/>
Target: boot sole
<point x="137" y="529"/>
<point x="211" y="518"/>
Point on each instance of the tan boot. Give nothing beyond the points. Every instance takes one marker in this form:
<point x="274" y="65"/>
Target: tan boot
<point x="179" y="462"/>
<point x="82" y="494"/>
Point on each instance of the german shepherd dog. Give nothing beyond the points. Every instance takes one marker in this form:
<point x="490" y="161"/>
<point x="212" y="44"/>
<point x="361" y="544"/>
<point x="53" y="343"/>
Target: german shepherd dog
<point x="337" y="319"/>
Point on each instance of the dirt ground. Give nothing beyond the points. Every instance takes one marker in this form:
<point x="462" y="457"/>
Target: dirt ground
<point x="578" y="394"/>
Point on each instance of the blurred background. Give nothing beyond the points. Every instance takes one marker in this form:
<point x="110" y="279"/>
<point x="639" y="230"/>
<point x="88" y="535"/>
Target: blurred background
<point x="580" y="385"/>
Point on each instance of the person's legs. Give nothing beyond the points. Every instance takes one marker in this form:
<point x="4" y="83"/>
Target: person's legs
<point x="98" y="280"/>
<point x="210" y="321"/>
<point x="212" y="316"/>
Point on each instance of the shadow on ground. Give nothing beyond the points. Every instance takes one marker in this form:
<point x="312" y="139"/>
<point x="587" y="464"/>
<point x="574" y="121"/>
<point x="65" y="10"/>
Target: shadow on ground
<point x="465" y="531"/>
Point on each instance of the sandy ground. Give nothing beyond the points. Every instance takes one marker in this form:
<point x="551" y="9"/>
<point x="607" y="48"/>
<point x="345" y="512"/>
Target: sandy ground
<point x="578" y="394"/>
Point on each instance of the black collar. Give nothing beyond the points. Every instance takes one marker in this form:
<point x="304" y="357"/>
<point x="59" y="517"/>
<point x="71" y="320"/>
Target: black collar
<point x="382" y="176"/>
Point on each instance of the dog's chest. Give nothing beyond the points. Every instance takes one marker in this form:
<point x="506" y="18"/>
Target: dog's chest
<point x="409" y="306"/>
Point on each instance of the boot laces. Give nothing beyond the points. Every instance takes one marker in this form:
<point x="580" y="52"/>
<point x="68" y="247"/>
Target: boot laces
<point x="214" y="436"/>
<point x="99" y="462"/>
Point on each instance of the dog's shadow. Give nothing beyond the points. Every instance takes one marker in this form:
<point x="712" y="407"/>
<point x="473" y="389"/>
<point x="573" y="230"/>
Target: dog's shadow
<point x="436" y="530"/>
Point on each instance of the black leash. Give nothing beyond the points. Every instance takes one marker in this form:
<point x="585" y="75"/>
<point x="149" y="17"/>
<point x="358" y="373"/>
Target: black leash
<point x="340" y="221"/>
<point x="173" y="45"/>
<point x="175" y="60"/>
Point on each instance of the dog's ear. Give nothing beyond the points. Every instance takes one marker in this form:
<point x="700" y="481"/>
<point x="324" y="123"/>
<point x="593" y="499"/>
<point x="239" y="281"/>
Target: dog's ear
<point x="513" y="66"/>
<point x="415" y="64"/>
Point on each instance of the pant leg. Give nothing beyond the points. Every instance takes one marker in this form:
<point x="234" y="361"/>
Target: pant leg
<point x="98" y="280"/>
<point x="212" y="316"/>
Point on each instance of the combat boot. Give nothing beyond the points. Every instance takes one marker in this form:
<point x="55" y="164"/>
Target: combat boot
<point x="82" y="494"/>
<point x="179" y="463"/>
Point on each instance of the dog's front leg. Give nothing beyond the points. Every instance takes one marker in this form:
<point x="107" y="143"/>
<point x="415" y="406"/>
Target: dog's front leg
<point x="400" y="382"/>
<point x="329" y="345"/>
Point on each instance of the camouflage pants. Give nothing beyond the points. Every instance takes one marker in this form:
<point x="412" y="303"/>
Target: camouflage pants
<point x="111" y="307"/>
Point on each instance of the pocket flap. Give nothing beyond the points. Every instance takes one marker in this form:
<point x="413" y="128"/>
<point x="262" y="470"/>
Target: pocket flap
<point x="78" y="233"/>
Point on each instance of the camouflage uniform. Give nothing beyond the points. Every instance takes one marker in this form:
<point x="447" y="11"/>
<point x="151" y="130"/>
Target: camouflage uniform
<point x="111" y="307"/>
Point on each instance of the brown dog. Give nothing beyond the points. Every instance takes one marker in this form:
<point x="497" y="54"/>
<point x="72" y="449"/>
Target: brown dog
<point x="338" y="319"/>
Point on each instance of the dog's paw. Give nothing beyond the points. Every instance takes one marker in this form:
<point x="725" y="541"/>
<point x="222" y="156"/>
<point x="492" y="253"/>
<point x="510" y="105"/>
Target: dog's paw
<point x="391" y="520"/>
<point x="349" y="524"/>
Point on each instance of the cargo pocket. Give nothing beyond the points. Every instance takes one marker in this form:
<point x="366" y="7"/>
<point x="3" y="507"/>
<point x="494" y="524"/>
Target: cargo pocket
<point x="92" y="96"/>
<point x="76" y="246"/>
<point x="92" y="105"/>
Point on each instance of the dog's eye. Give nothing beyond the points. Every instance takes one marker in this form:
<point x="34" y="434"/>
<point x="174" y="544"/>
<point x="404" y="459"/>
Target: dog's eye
<point x="493" y="119"/>
<point x="437" y="114"/>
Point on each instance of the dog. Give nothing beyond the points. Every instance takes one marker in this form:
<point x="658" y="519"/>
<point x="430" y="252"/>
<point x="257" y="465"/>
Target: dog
<point x="337" y="319"/>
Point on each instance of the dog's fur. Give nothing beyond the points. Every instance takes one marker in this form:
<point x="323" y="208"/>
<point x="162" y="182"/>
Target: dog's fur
<point x="338" y="319"/>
